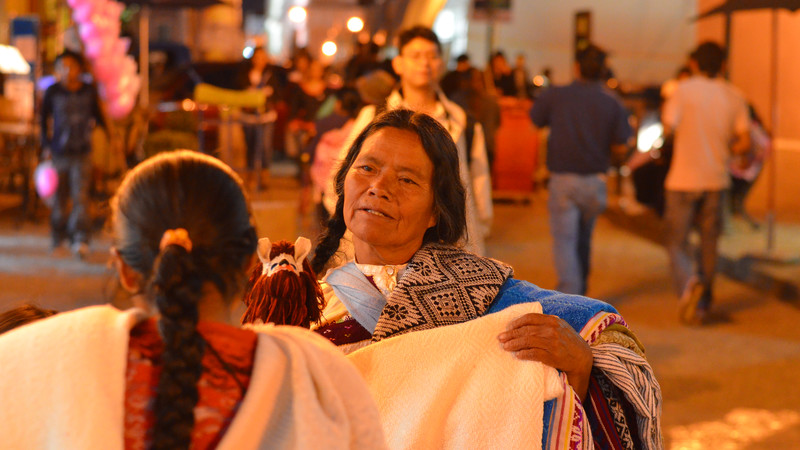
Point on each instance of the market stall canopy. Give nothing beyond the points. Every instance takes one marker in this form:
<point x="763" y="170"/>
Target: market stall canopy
<point x="744" y="5"/>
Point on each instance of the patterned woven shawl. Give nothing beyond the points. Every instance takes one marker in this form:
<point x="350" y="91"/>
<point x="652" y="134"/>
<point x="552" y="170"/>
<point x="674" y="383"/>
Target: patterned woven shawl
<point x="442" y="285"/>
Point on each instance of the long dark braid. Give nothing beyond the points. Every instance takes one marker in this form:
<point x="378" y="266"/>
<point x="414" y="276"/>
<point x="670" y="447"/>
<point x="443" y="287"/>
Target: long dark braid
<point x="203" y="196"/>
<point x="329" y="240"/>
<point x="175" y="287"/>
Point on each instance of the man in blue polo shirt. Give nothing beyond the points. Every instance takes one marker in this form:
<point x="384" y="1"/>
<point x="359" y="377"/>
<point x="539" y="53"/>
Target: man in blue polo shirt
<point x="587" y="123"/>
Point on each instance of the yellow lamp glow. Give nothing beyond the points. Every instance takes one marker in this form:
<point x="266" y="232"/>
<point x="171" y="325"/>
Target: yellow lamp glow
<point x="297" y="14"/>
<point x="355" y="24"/>
<point x="329" y="48"/>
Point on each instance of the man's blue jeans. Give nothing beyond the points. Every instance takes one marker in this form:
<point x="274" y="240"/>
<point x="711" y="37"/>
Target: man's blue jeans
<point x="684" y="210"/>
<point x="575" y="202"/>
<point x="74" y="177"/>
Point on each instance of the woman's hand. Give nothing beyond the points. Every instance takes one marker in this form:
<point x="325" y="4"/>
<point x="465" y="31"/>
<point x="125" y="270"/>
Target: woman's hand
<point x="550" y="340"/>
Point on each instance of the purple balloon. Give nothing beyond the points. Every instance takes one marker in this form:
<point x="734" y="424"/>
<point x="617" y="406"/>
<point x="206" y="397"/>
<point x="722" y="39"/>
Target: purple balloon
<point x="46" y="179"/>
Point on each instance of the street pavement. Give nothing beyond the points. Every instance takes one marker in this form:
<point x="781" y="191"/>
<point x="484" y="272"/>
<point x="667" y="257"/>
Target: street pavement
<point x="731" y="384"/>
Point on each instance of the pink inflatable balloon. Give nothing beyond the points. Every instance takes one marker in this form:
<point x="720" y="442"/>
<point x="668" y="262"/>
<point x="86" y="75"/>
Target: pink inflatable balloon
<point x="122" y="106"/>
<point x="108" y="69"/>
<point x="118" y="86"/>
<point x="113" y="10"/>
<point x="122" y="45"/>
<point x="108" y="25"/>
<point x="89" y="32"/>
<point x="129" y="65"/>
<point x="82" y="14"/>
<point x="98" y="48"/>
<point x="45" y="178"/>
<point x="83" y="3"/>
<point x="127" y="85"/>
<point x="103" y="72"/>
<point x="136" y="83"/>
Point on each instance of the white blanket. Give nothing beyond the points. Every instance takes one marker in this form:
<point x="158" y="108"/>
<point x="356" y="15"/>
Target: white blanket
<point x="455" y="387"/>
<point x="63" y="387"/>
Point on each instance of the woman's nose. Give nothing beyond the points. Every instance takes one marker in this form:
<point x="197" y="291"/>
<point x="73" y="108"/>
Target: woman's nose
<point x="381" y="186"/>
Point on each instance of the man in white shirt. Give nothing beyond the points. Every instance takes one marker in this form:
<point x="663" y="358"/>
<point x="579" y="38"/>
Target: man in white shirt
<point x="710" y="120"/>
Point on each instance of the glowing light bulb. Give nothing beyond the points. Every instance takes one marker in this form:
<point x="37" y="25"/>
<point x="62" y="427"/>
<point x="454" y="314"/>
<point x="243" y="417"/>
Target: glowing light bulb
<point x="297" y="14"/>
<point x="329" y="48"/>
<point x="355" y="24"/>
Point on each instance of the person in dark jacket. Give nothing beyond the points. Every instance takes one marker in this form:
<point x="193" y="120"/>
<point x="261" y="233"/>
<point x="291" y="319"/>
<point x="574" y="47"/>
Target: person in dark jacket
<point x="70" y="110"/>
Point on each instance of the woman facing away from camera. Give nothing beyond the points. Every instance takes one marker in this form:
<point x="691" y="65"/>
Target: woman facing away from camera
<point x="179" y="372"/>
<point x="400" y="195"/>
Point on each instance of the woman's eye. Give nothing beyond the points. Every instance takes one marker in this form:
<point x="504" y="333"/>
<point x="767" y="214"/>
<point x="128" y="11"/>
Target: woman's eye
<point x="365" y="168"/>
<point x="407" y="181"/>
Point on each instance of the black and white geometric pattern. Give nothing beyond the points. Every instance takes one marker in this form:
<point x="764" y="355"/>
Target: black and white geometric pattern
<point x="616" y="409"/>
<point x="442" y="285"/>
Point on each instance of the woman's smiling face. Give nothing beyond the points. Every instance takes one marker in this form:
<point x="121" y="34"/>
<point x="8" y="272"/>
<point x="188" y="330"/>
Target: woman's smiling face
<point x="388" y="197"/>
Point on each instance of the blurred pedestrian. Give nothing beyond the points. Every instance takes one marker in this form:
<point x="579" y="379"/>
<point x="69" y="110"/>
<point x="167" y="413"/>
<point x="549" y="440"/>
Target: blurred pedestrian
<point x="331" y="134"/>
<point x="587" y="124"/>
<point x="746" y="167"/>
<point x="458" y="80"/>
<point x="501" y="79"/>
<point x="710" y="121"/>
<point x="478" y="103"/>
<point x="259" y="74"/>
<point x="523" y="83"/>
<point x="364" y="61"/>
<point x="70" y="110"/>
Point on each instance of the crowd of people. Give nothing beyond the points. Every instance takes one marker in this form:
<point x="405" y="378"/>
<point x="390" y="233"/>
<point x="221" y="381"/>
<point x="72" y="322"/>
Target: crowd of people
<point x="398" y="160"/>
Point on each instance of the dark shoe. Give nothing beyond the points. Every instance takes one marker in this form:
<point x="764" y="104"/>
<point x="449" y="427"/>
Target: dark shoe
<point x="688" y="307"/>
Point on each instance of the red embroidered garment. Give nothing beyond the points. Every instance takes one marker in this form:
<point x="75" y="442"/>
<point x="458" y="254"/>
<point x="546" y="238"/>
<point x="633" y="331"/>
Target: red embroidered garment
<point x="219" y="392"/>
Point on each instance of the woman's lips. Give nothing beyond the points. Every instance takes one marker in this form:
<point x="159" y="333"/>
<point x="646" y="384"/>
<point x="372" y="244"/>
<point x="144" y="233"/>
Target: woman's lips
<point x="376" y="212"/>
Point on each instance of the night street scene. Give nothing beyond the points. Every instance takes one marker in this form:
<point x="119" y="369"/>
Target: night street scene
<point x="400" y="224"/>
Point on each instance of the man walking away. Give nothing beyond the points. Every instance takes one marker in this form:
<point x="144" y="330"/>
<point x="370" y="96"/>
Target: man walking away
<point x="587" y="123"/>
<point x="710" y="121"/>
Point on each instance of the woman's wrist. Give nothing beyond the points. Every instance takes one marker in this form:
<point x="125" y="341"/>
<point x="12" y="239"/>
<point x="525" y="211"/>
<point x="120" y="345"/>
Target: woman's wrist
<point x="579" y="377"/>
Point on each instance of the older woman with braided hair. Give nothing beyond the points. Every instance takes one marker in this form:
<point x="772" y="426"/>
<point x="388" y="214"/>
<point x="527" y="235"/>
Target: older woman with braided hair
<point x="442" y="335"/>
<point x="178" y="371"/>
